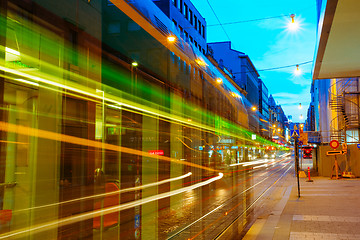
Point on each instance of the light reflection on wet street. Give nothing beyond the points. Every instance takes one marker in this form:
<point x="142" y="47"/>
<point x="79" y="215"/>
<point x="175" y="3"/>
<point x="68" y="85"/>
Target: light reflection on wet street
<point x="231" y="198"/>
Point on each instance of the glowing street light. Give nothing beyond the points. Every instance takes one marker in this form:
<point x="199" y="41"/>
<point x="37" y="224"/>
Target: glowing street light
<point x="300" y="107"/>
<point x="253" y="108"/>
<point x="135" y="64"/>
<point x="301" y="116"/>
<point x="219" y="80"/>
<point x="171" y="38"/>
<point x="297" y="71"/>
<point x="292" y="26"/>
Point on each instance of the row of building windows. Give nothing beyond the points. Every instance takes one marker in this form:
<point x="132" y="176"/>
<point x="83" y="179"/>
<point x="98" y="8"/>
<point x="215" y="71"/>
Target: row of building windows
<point x="190" y="16"/>
<point x="188" y="38"/>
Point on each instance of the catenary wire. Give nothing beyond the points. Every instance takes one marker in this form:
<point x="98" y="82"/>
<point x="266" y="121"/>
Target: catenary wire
<point x="218" y="20"/>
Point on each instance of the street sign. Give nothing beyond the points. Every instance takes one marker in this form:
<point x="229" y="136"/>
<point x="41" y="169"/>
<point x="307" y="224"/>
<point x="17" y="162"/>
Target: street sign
<point x="358" y="145"/>
<point x="303" y="137"/>
<point x="334" y="144"/>
<point x="329" y="153"/>
<point x="294" y="133"/>
<point x="300" y="143"/>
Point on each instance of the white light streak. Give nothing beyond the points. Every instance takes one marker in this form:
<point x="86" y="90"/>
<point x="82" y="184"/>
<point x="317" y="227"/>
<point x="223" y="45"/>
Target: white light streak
<point x="12" y="51"/>
<point x="104" y="211"/>
<point x="109" y="193"/>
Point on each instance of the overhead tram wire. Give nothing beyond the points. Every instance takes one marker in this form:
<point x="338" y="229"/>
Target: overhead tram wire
<point x="218" y="20"/>
<point x="276" y="68"/>
<point x="260" y="19"/>
<point x="287" y="66"/>
<point x="250" y="20"/>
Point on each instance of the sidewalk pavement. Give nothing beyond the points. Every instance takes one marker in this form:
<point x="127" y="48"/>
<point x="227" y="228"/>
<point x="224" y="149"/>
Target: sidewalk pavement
<point x="326" y="209"/>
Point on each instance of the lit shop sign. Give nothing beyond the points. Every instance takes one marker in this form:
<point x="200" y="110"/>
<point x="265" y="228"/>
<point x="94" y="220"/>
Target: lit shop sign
<point x="156" y="152"/>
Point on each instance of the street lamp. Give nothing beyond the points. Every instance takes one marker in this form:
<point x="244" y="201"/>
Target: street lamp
<point x="171" y="39"/>
<point x="254" y="108"/>
<point x="300" y="107"/>
<point x="134" y="64"/>
<point x="297" y="71"/>
<point x="219" y="80"/>
<point x="292" y="24"/>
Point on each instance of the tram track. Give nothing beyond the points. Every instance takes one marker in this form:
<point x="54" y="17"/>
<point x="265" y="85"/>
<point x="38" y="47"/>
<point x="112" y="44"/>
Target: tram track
<point x="229" y="201"/>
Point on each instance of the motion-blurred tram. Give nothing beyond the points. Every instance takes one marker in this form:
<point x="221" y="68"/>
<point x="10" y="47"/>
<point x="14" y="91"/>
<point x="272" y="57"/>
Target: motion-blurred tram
<point x="106" y="127"/>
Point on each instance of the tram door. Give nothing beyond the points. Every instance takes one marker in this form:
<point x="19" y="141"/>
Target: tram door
<point x="18" y="156"/>
<point x="76" y="168"/>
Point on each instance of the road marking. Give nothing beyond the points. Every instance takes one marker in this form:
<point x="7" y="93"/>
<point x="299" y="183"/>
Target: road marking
<point x="322" y="218"/>
<point x="321" y="236"/>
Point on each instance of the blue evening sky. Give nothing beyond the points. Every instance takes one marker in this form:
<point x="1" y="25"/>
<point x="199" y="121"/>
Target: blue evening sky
<point x="269" y="43"/>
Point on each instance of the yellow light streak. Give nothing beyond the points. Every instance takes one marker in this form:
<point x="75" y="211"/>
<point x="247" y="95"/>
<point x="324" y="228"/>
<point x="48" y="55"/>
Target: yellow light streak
<point x="115" y="101"/>
<point x="109" y="193"/>
<point x="22" y="130"/>
<point x="96" y="213"/>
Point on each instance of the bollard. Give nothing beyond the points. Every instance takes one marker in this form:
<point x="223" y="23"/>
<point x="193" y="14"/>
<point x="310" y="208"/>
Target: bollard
<point x="309" y="175"/>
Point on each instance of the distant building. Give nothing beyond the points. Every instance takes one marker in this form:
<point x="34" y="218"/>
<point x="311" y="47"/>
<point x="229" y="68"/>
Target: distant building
<point x="191" y="25"/>
<point x="264" y="109"/>
<point x="278" y="121"/>
<point x="244" y="73"/>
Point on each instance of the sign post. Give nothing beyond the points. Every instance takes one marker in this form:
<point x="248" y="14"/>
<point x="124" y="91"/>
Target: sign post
<point x="334" y="145"/>
<point x="296" y="149"/>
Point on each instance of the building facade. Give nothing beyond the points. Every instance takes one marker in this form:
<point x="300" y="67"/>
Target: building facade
<point x="264" y="110"/>
<point x="244" y="73"/>
<point x="187" y="19"/>
<point x="336" y="83"/>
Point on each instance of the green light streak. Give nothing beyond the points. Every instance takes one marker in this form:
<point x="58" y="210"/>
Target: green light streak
<point x="202" y="120"/>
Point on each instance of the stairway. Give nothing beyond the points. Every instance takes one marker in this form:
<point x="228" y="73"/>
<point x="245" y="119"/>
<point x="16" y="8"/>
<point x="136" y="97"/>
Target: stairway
<point x="346" y="119"/>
